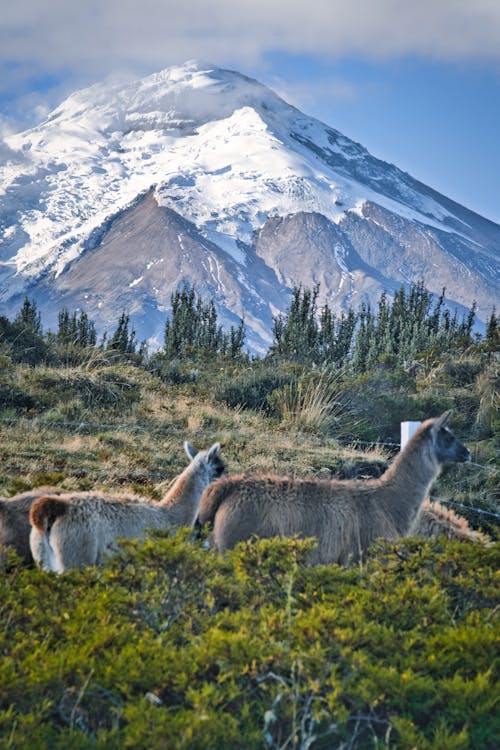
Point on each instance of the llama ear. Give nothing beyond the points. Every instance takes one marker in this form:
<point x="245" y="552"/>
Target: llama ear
<point x="440" y="421"/>
<point x="190" y="450"/>
<point x="213" y="450"/>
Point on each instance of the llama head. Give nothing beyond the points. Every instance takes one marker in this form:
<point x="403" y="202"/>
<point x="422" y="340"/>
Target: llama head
<point x="445" y="445"/>
<point x="210" y="459"/>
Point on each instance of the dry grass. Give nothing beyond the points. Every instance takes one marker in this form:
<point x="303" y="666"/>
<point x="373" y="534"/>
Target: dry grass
<point x="315" y="404"/>
<point x="488" y="390"/>
<point x="140" y="448"/>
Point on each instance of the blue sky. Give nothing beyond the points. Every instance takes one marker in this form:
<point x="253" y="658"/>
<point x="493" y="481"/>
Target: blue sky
<point x="416" y="84"/>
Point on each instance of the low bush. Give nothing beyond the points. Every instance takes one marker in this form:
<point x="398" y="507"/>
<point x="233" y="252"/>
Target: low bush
<point x="462" y="372"/>
<point x="106" y="388"/>
<point x="170" y="646"/>
<point x="379" y="401"/>
<point x="251" y="389"/>
<point x="13" y="397"/>
<point x="173" y="371"/>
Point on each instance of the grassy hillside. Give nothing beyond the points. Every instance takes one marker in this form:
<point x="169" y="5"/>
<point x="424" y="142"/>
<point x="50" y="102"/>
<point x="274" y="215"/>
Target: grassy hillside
<point x="172" y="646"/>
<point x="122" y="426"/>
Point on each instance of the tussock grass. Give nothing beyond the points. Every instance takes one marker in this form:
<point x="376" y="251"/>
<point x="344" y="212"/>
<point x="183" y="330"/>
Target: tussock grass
<point x="314" y="403"/>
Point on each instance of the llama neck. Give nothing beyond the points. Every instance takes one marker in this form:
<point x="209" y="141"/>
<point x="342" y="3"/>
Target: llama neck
<point x="184" y="495"/>
<point x="408" y="481"/>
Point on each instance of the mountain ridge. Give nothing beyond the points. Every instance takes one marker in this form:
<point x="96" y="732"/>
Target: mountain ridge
<point x="250" y="174"/>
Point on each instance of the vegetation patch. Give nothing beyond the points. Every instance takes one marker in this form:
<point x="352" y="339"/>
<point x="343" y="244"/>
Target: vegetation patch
<point x="170" y="645"/>
<point x="253" y="649"/>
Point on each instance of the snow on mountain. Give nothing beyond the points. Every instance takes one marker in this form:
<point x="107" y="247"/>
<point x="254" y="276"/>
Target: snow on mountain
<point x="268" y="196"/>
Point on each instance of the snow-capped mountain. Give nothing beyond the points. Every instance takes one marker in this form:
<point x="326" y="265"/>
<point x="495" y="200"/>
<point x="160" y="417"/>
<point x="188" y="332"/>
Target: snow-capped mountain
<point x="203" y="175"/>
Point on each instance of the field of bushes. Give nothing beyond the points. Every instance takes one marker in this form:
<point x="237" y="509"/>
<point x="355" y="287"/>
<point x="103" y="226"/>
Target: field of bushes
<point x="172" y="646"/>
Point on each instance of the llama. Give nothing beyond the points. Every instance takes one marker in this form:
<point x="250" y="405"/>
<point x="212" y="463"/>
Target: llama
<point x="435" y="520"/>
<point x="15" y="524"/>
<point x="345" y="516"/>
<point x="81" y="528"/>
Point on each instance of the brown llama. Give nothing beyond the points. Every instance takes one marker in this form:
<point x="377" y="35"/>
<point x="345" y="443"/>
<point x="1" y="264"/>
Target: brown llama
<point x="15" y="524"/>
<point x="435" y="520"/>
<point x="81" y="528"/>
<point x="345" y="516"/>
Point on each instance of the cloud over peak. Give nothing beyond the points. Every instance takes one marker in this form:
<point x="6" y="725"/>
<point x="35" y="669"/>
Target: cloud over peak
<point x="156" y="33"/>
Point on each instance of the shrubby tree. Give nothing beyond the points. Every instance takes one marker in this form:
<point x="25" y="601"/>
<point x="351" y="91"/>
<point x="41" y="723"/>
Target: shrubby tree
<point x="398" y="330"/>
<point x="192" y="329"/>
<point x="296" y="334"/>
<point x="24" y="336"/>
<point x="76" y="329"/>
<point x="29" y="317"/>
<point x="493" y="329"/>
<point x="123" y="339"/>
<point x="308" y="336"/>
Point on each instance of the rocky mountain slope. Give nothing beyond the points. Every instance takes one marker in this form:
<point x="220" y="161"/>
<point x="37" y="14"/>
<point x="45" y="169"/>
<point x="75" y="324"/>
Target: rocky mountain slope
<point x="201" y="175"/>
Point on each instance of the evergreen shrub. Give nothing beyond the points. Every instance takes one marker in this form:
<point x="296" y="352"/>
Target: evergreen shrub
<point x="172" y="371"/>
<point x="462" y="372"/>
<point x="169" y="645"/>
<point x="14" y="397"/>
<point x="251" y="389"/>
<point x="105" y="388"/>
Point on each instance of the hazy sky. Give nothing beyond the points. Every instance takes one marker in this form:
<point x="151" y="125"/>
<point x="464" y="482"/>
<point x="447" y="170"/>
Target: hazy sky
<point x="417" y="83"/>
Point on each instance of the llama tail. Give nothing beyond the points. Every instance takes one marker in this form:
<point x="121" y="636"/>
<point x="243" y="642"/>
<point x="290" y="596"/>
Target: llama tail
<point x="212" y="498"/>
<point x="45" y="511"/>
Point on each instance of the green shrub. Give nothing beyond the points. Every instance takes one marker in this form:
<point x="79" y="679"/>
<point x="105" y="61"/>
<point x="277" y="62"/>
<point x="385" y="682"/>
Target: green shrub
<point x="171" y="646"/>
<point x="378" y="402"/>
<point x="173" y="371"/>
<point x="462" y="372"/>
<point x="105" y="388"/>
<point x="13" y="397"/>
<point x="252" y="389"/>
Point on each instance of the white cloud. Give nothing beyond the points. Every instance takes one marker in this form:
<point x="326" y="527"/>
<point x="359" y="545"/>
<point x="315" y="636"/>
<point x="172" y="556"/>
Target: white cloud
<point x="81" y="42"/>
<point x="101" y="34"/>
<point x="306" y="94"/>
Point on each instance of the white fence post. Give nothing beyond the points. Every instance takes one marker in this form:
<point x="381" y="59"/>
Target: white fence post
<point x="408" y="429"/>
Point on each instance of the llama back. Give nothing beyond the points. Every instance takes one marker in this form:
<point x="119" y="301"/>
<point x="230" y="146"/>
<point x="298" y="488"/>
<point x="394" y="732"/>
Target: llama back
<point x="23" y="500"/>
<point x="7" y="531"/>
<point x="14" y="511"/>
<point x="245" y="491"/>
<point x="15" y="526"/>
<point x="436" y="520"/>
<point x="78" y="530"/>
<point x="213" y="496"/>
<point x="248" y="505"/>
<point x="14" y="531"/>
<point x="124" y="514"/>
<point x="14" y="519"/>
